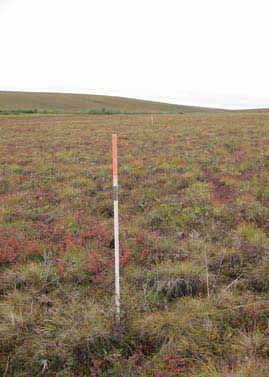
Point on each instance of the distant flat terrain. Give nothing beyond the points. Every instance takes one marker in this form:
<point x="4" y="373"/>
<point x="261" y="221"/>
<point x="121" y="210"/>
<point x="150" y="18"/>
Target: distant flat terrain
<point x="70" y="103"/>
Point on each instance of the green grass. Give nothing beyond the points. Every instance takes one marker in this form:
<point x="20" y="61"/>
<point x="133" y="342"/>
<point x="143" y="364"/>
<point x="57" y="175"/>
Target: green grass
<point x="194" y="242"/>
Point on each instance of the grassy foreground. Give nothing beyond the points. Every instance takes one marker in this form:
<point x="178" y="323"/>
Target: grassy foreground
<point x="194" y="229"/>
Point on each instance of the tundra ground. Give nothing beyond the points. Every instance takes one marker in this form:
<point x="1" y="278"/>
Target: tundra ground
<point x="194" y="235"/>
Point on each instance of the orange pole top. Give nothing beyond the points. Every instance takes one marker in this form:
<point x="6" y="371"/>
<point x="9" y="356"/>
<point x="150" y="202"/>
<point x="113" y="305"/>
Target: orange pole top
<point x="115" y="156"/>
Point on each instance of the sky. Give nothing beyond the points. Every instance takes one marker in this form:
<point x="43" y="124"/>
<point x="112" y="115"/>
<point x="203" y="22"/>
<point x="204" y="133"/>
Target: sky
<point x="207" y="53"/>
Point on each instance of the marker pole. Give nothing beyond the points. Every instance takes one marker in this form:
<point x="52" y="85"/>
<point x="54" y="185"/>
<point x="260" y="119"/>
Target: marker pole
<point x="116" y="222"/>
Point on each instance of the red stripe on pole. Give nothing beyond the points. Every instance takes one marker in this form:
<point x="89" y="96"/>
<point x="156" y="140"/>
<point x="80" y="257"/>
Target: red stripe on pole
<point x="115" y="156"/>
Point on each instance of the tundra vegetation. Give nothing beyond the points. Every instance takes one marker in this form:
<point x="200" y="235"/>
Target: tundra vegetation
<point x="194" y="243"/>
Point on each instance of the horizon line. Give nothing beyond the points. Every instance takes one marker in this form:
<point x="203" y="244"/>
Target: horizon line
<point x="142" y="98"/>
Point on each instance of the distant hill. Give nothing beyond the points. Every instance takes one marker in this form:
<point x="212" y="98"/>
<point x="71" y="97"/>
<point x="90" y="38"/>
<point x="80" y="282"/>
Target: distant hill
<point x="254" y="110"/>
<point x="72" y="103"/>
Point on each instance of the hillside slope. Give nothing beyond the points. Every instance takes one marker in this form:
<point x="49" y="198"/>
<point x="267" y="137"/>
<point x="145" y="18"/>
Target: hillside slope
<point x="69" y="103"/>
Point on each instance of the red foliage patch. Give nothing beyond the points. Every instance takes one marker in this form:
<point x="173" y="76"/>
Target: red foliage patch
<point x="14" y="245"/>
<point x="99" y="262"/>
<point x="222" y="192"/>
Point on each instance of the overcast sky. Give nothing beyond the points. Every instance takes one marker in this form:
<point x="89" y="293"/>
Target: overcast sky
<point x="194" y="52"/>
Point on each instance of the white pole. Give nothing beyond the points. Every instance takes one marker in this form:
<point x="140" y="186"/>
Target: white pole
<point x="116" y="223"/>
